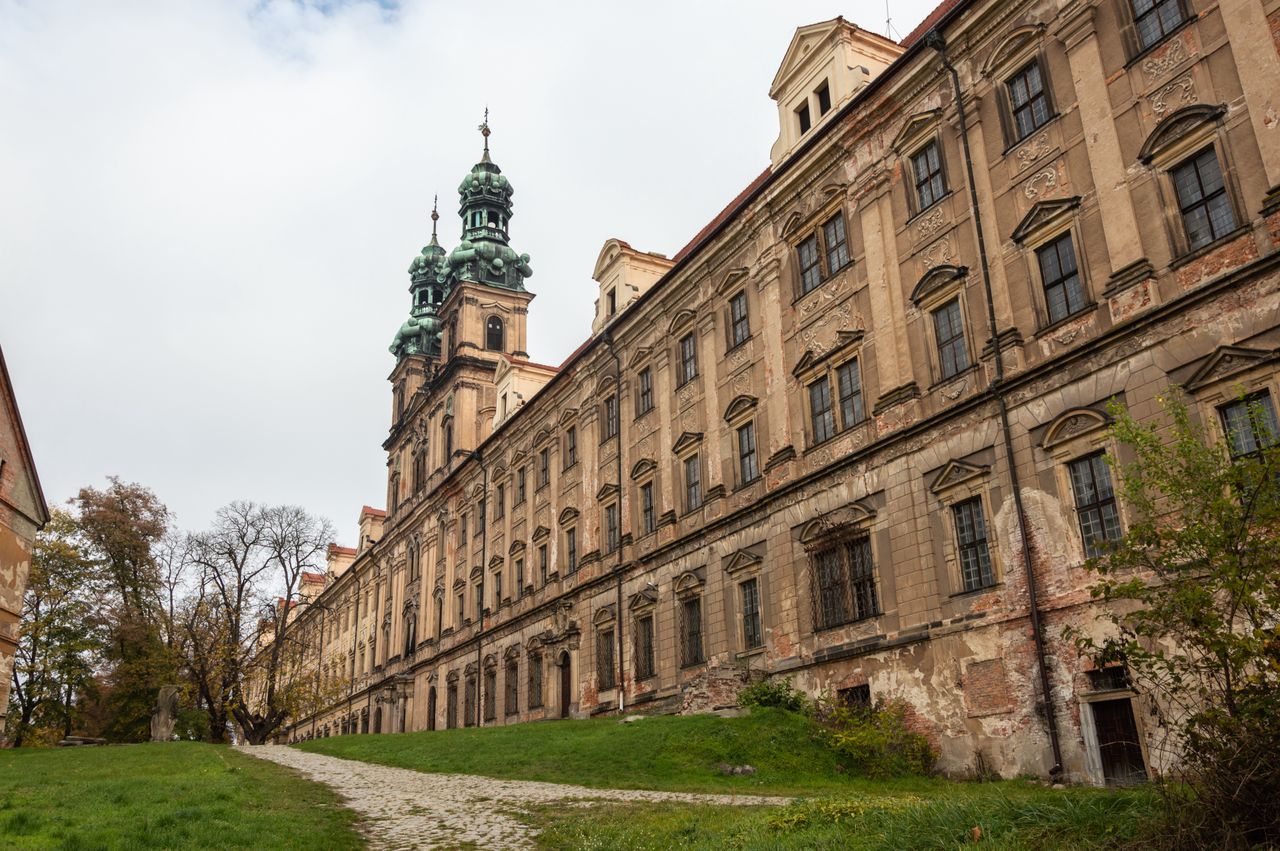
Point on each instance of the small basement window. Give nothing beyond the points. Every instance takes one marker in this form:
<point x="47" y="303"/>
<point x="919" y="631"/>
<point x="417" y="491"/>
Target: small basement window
<point x="855" y="697"/>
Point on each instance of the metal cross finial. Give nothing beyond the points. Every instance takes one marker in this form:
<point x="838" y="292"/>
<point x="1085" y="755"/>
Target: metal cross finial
<point x="484" y="129"/>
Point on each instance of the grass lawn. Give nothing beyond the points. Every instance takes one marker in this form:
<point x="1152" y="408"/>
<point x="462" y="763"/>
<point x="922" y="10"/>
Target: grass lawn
<point x="173" y="795"/>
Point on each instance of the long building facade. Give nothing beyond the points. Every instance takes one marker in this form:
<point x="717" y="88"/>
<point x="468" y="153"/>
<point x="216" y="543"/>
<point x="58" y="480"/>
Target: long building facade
<point x="853" y="433"/>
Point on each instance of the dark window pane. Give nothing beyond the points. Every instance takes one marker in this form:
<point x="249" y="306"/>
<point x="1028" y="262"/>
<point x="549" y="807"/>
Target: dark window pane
<point x="850" y="382"/>
<point x="820" y="410"/>
<point x="1095" y="503"/>
<point x="1063" y="290"/>
<point x="953" y="357"/>
<point x="833" y="236"/>
<point x="810" y="265"/>
<point x="1202" y="199"/>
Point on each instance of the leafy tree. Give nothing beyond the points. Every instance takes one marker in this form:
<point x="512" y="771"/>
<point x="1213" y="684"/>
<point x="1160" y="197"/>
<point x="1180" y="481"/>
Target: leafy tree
<point x="1194" y="588"/>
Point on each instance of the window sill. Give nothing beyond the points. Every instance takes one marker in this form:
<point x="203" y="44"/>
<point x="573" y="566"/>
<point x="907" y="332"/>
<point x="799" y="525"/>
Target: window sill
<point x="1049" y="122"/>
<point x="822" y="283"/>
<point x="976" y="592"/>
<point x="812" y="446"/>
<point x="1154" y="46"/>
<point x="1209" y="247"/>
<point x="747" y="484"/>
<point x="918" y="213"/>
<point x="828" y="628"/>
<point x="737" y="346"/>
<point x="1054" y="326"/>
<point x="642" y="414"/>
<point x="750" y="654"/>
<point x="969" y="370"/>
<point x="686" y="383"/>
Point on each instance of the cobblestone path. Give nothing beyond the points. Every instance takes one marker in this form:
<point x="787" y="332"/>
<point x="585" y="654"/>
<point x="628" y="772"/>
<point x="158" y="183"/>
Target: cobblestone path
<point x="411" y="809"/>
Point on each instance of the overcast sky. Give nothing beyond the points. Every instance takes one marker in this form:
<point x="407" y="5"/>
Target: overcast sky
<point x="207" y="209"/>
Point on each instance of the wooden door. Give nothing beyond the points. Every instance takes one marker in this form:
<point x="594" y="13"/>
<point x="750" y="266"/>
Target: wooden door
<point x="566" y="685"/>
<point x="1118" y="744"/>
<point x="431" y="708"/>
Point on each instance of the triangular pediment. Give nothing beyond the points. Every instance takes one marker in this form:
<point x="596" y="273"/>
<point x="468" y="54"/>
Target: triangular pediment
<point x="807" y="361"/>
<point x="639" y="356"/>
<point x="500" y="372"/>
<point x="607" y="490"/>
<point x="645" y="598"/>
<point x="496" y="561"/>
<point x="954" y="472"/>
<point x="568" y="415"/>
<point x="1225" y="361"/>
<point x="1043" y="215"/>
<point x="540" y="534"/>
<point x="686" y="441"/>
<point x="805" y="44"/>
<point x="519" y="456"/>
<point x="733" y="279"/>
<point x="742" y="560"/>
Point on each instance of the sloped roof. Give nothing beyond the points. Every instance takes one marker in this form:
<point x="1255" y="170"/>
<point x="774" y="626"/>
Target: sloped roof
<point x="10" y="401"/>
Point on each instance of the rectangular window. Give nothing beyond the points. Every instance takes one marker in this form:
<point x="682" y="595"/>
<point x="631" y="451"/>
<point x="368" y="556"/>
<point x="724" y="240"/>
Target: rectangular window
<point x="611" y="528"/>
<point x="500" y="503"/>
<point x="1095" y="503"/>
<point x="571" y="550"/>
<point x="610" y="417"/>
<point x="837" y="244"/>
<point x="844" y="583"/>
<point x="612" y="301"/>
<point x="544" y="468"/>
<point x="926" y="166"/>
<point x="1155" y="19"/>
<point x="971" y="536"/>
<point x="490" y="694"/>
<point x="692" y="483"/>
<point x="644" y="403"/>
<point x="478" y="595"/>
<point x="542" y="565"/>
<point x="820" y="413"/>
<point x="519" y="578"/>
<point x="688" y="360"/>
<point x="752" y="634"/>
<point x="810" y="264"/>
<point x="511" y="704"/>
<point x="462" y="530"/>
<point x="1028" y="101"/>
<point x="521" y="493"/>
<point x="953" y="358"/>
<point x="824" y="98"/>
<point x="1249" y="424"/>
<point x="850" y="382"/>
<point x="462" y="609"/>
<point x="802" y="116"/>
<point x="570" y="447"/>
<point x="739" y="323"/>
<point x="604" y="659"/>
<point x="535" y="681"/>
<point x="748" y="470"/>
<point x="497" y="589"/>
<point x="644" y="648"/>
<point x="691" y="632"/>
<point x="648" y="522"/>
<point x="1063" y="292"/>
<point x="1202" y="199"/>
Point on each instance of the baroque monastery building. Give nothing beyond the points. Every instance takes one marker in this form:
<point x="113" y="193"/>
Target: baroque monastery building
<point x="853" y="432"/>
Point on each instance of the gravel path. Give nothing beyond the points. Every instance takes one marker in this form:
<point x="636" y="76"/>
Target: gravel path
<point x="410" y="809"/>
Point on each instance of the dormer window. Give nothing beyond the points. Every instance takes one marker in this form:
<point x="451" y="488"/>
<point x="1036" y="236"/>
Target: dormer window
<point x="823" y="94"/>
<point x="802" y="114"/>
<point x="611" y="299"/>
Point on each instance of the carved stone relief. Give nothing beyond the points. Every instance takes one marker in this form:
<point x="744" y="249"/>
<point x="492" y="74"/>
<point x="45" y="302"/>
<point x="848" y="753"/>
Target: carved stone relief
<point x="937" y="254"/>
<point x="930" y="225"/>
<point x="821" y="335"/>
<point x="1043" y="182"/>
<point x="1032" y="150"/>
<point x="1165" y="61"/>
<point x="822" y="297"/>
<point x="1181" y="91"/>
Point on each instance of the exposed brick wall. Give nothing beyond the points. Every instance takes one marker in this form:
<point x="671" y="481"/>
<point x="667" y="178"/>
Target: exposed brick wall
<point x="1239" y="250"/>
<point x="986" y="688"/>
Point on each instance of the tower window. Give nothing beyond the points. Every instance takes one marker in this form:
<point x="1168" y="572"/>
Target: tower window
<point x="824" y="98"/>
<point x="493" y="220"/>
<point x="494" y="338"/>
<point x="612" y="301"/>
<point x="802" y="114"/>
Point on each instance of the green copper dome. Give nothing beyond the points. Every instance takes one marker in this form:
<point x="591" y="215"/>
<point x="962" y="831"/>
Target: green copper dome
<point x="429" y="284"/>
<point x="483" y="255"/>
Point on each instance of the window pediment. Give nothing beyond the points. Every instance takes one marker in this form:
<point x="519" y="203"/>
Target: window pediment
<point x="733" y="279"/>
<point x="519" y="456"/>
<point x="956" y="472"/>
<point x="855" y="516"/>
<point x="568" y="415"/>
<point x="540" y="534"/>
<point x="792" y="225"/>
<point x="516" y="547"/>
<point x="639" y="357"/>
<point x="607" y="491"/>
<point x="543" y="435"/>
<point x="643" y="467"/>
<point x="512" y="653"/>
<point x="1176" y="127"/>
<point x="645" y="598"/>
<point x="533" y="644"/>
<point x="742" y="560"/>
<point x="1044" y="216"/>
<point x="810" y="361"/>
<point x="915" y="129"/>
<point x="1225" y="361"/>
<point x="1072" y="422"/>
<point x="496" y="561"/>
<point x="604" y="616"/>
<point x="739" y="407"/>
<point x="935" y="280"/>
<point x="687" y="442"/>
<point x="476" y="572"/>
<point x="682" y="320"/>
<point x="568" y="515"/>
<point x="477" y="491"/>
<point x="690" y="582"/>
<point x="1016" y="47"/>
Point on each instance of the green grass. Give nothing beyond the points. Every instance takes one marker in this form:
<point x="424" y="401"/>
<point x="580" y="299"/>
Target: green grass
<point x="173" y="795"/>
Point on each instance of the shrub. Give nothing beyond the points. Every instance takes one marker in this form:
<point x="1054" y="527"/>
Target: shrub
<point x="774" y="693"/>
<point x="876" y="740"/>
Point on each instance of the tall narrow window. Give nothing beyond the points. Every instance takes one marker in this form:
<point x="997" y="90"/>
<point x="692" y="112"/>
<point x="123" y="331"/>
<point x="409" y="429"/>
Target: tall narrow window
<point x="1202" y="199"/>
<point x="748" y="469"/>
<point x="612" y="301"/>
<point x="462" y="609"/>
<point x="497" y="589"/>
<point x="1063" y="292"/>
<point x="494" y="339"/>
<point x="644" y="403"/>
<point x="971" y="536"/>
<point x="739" y="323"/>
<point x="692" y="483"/>
<point x="953" y="358"/>
<point x="511" y="703"/>
<point x="571" y="550"/>
<point x="851" y="410"/>
<point x="500" y="502"/>
<point x="688" y="359"/>
<point x="926" y="166"/>
<point x="644" y="647"/>
<point x="535" y="680"/>
<point x="752" y="634"/>
<point x="1028" y="101"/>
<point x="691" y="632"/>
<point x="544" y="468"/>
<point x="570" y="447"/>
<point x="824" y="98"/>
<point x="462" y="530"/>
<point x="542" y="565"/>
<point x="1250" y="424"/>
<point x="611" y="536"/>
<point x="802" y="118"/>
<point x="1095" y="503"/>
<point x="1155" y="19"/>
<point x="810" y="264"/>
<point x="604" y="659"/>
<point x="521" y="493"/>
<point x="490" y="694"/>
<point x="448" y="442"/>
<point x="469" y="703"/>
<point x="820" y="413"/>
<point x="519" y="578"/>
<point x="837" y="244"/>
<point x="844" y="583"/>
<point x="647" y="518"/>
<point x="610" y="417"/>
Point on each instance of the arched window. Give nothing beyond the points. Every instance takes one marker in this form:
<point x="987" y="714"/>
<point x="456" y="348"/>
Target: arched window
<point x="493" y="337"/>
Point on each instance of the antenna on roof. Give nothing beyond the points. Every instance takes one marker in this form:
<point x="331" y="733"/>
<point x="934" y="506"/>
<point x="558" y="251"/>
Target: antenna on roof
<point x="888" y="22"/>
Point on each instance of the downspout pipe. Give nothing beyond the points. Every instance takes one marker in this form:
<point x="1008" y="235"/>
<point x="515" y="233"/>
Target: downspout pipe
<point x="617" y="385"/>
<point x="935" y="40"/>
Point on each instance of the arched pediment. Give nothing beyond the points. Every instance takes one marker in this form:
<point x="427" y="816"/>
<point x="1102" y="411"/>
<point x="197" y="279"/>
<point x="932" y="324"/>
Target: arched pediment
<point x="689" y="582"/>
<point x="792" y="224"/>
<point x="1176" y="125"/>
<point x="603" y="616"/>
<point x="516" y="547"/>
<point x="542" y="436"/>
<point x="1071" y="422"/>
<point x="512" y="653"/>
<point x="936" y="279"/>
<point x="490" y="661"/>
<point x="854" y="516"/>
<point x="499" y="472"/>
<point x="682" y="319"/>
<point x="469" y="669"/>
<point x="451" y="678"/>
<point x="643" y="467"/>
<point x="533" y="644"/>
<point x="740" y="406"/>
<point x="476" y="572"/>
<point x="1012" y="49"/>
<point x="1044" y="215"/>
<point x="568" y="515"/>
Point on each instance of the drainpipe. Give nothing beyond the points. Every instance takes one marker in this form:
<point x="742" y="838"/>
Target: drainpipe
<point x="319" y="674"/>
<point x="617" y="384"/>
<point x="355" y="638"/>
<point x="484" y="555"/>
<point x="937" y="41"/>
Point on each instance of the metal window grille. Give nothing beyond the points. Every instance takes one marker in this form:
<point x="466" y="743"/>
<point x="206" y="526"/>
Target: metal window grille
<point x="490" y="694"/>
<point x="844" y="583"/>
<point x="451" y="706"/>
<point x="837" y="244"/>
<point x="739" y="321"/>
<point x="691" y="632"/>
<point x="1249" y="424"/>
<point x="953" y="358"/>
<point x="692" y="483"/>
<point x="648" y="521"/>
<point x="1155" y="19"/>
<point x="535" y="680"/>
<point x="820" y="412"/>
<point x="1202" y="199"/>
<point x="646" y="390"/>
<point x="926" y="164"/>
<point x="1063" y="293"/>
<point x="1028" y="100"/>
<point x="747" y="466"/>
<point x="971" y="535"/>
<point x="604" y="659"/>
<point x="1095" y="503"/>
<point x="644" y="648"/>
<point x="511" y="702"/>
<point x="688" y="359"/>
<point x="810" y="264"/>
<point x="752" y="634"/>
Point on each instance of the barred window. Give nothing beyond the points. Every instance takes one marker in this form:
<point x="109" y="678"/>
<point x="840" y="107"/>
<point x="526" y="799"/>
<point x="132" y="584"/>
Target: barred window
<point x="810" y="264"/>
<point x="610" y="417"/>
<point x="604" y="659"/>
<point x="1063" y="292"/>
<point x="820" y="412"/>
<point x="535" y="680"/>
<point x="926" y="164"/>
<point x="490" y="694"/>
<point x="844" y="583"/>
<point x="688" y="360"/>
<point x="739" y="322"/>
<point x="511" y="703"/>
<point x="451" y="706"/>
<point x="971" y="537"/>
<point x="1095" y="503"/>
<point x="850" y="382"/>
<point x="1250" y="424"/>
<point x="752" y="634"/>
<point x="953" y="358"/>
<point x="692" y="483"/>
<point x="644" y="648"/>
<point x="748" y="469"/>
<point x="1028" y="101"/>
<point x="691" y="632"/>
<point x="1155" y="19"/>
<point x="570" y="447"/>
<point x="833" y="236"/>
<point x="1202" y="199"/>
<point x="647" y="520"/>
<point x="644" y="403"/>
